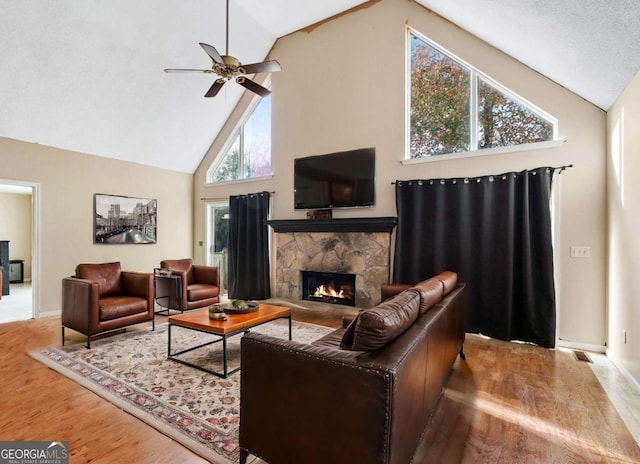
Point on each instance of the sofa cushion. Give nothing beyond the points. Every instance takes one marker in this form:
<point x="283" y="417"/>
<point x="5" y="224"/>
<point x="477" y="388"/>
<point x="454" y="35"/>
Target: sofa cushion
<point x="114" y="307"/>
<point x="197" y="292"/>
<point x="108" y="276"/>
<point x="373" y="328"/>
<point x="449" y="280"/>
<point x="431" y="292"/>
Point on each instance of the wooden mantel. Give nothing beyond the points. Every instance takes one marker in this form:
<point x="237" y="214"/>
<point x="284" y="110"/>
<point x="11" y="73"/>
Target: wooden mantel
<point x="361" y="224"/>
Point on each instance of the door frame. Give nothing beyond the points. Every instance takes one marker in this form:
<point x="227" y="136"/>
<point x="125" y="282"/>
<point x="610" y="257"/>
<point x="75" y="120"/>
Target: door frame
<point x="35" y="241"/>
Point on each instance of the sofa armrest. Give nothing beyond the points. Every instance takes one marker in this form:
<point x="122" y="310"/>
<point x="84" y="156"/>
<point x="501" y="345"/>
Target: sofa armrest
<point x="389" y="290"/>
<point x="206" y="274"/>
<point x="80" y="304"/>
<point x="348" y="319"/>
<point x="327" y="407"/>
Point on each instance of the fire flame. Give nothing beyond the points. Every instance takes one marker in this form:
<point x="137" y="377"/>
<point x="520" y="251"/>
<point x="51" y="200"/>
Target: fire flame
<point x="328" y="291"/>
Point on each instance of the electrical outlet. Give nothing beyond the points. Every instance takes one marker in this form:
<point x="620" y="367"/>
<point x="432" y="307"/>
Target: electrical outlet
<point x="580" y="252"/>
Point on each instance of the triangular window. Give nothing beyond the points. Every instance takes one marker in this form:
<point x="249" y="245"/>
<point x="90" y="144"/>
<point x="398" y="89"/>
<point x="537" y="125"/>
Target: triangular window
<point x="248" y="153"/>
<point x="454" y="108"/>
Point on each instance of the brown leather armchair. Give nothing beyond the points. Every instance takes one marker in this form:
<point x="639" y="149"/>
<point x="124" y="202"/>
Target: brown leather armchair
<point x="101" y="298"/>
<point x="190" y="286"/>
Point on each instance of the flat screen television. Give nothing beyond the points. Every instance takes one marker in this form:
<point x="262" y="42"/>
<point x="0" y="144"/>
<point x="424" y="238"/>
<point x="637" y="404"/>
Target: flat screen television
<point x="336" y="180"/>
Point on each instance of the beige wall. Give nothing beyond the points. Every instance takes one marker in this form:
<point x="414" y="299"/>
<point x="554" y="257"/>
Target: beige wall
<point x="15" y="226"/>
<point x="67" y="182"/>
<point x="624" y="222"/>
<point x="343" y="87"/>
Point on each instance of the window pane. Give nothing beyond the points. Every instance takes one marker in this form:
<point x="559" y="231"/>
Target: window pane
<point x="229" y="168"/>
<point x="503" y="121"/>
<point x="221" y="228"/>
<point x="218" y="240"/>
<point x="250" y="154"/>
<point x="257" y="141"/>
<point x="439" y="112"/>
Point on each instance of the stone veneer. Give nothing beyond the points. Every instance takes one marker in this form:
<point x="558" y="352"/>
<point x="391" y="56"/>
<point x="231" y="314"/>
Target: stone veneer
<point x="365" y="254"/>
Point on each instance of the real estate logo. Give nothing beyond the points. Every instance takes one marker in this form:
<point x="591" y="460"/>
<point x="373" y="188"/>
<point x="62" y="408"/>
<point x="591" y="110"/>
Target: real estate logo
<point x="34" y="452"/>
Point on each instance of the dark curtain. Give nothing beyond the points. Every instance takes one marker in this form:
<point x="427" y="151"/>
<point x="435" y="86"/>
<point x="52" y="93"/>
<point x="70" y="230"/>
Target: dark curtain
<point x="495" y="232"/>
<point x="249" y="247"/>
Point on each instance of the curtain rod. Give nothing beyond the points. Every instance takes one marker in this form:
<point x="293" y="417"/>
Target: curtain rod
<point x="560" y="168"/>
<point x="226" y="198"/>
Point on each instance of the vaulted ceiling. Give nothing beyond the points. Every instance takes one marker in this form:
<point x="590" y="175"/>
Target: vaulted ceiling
<point x="87" y="75"/>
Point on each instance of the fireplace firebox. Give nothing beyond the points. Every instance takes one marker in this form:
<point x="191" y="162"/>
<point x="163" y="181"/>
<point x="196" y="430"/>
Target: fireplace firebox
<point x="329" y="287"/>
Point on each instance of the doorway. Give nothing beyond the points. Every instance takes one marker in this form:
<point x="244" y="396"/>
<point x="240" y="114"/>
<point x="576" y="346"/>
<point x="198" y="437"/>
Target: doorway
<point x="20" y="210"/>
<point x="218" y="239"/>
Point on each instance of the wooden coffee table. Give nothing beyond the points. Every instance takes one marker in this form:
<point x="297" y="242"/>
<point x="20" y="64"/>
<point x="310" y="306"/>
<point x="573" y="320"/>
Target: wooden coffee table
<point x="236" y="323"/>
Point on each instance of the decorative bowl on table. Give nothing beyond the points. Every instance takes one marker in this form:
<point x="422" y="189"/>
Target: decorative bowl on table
<point x="241" y="307"/>
<point x="216" y="312"/>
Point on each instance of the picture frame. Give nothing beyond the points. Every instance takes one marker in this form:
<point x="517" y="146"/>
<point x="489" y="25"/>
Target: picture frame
<point x="124" y="220"/>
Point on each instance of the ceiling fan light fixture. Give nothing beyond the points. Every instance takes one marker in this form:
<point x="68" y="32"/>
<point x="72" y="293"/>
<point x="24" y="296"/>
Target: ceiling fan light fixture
<point x="231" y="60"/>
<point x="228" y="67"/>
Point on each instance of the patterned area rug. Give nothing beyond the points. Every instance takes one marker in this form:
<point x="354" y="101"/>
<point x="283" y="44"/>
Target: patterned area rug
<point x="197" y="409"/>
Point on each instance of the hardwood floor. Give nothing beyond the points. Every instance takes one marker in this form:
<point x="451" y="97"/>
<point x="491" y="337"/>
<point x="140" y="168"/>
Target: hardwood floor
<point x="517" y="403"/>
<point x="40" y="404"/>
<point x="508" y="403"/>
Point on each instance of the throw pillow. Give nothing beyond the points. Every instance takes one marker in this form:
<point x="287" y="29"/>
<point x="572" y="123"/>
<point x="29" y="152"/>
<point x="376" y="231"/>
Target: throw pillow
<point x="374" y="328"/>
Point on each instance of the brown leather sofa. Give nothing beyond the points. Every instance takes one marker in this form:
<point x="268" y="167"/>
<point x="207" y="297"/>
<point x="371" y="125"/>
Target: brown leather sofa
<point x="361" y="394"/>
<point x="102" y="297"/>
<point x="198" y="286"/>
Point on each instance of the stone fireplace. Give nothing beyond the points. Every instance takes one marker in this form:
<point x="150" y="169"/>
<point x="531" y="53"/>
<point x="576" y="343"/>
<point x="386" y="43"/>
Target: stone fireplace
<point x="360" y="247"/>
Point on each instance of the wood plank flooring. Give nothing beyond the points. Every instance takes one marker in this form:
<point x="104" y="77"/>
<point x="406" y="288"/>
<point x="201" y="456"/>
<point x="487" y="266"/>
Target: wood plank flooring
<point x="517" y="403"/>
<point x="508" y="403"/>
<point x="37" y="403"/>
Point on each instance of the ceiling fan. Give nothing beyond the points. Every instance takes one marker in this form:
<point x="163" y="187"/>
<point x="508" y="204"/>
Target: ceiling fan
<point x="228" y="67"/>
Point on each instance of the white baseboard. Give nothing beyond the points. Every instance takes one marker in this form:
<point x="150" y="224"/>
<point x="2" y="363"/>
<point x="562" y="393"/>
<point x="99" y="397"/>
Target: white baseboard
<point x="627" y="375"/>
<point x="582" y="346"/>
<point x="52" y="313"/>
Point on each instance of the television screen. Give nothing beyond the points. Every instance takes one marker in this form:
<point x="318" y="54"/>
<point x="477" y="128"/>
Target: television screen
<point x="336" y="180"/>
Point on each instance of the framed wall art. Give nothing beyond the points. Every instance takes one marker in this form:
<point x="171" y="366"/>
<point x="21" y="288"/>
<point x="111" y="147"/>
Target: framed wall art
<point x="120" y="219"/>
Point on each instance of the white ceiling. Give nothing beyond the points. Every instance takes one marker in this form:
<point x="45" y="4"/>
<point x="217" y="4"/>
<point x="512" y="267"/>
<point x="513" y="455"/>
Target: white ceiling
<point x="591" y="47"/>
<point x="86" y="75"/>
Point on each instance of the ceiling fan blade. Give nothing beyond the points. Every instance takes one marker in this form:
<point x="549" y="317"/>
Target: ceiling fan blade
<point x="215" y="88"/>
<point x="206" y="71"/>
<point x="253" y="86"/>
<point x="212" y="52"/>
<point x="264" y="67"/>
